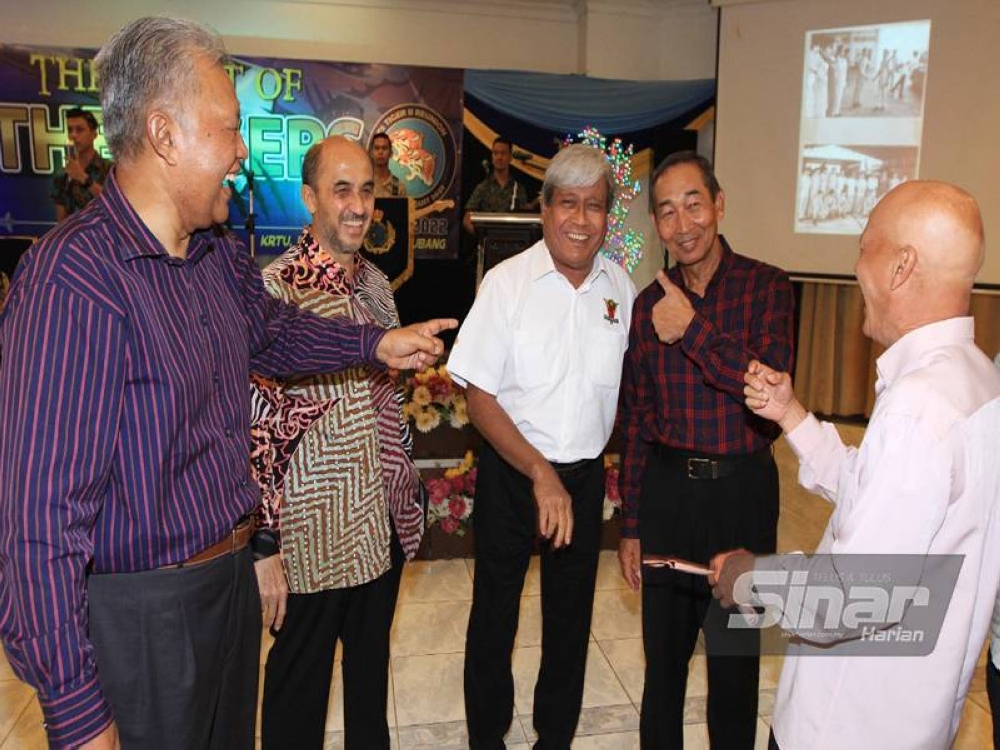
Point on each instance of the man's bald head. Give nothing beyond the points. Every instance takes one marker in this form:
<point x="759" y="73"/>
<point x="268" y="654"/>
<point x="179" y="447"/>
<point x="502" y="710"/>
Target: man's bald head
<point x="920" y="254"/>
<point x="939" y="219"/>
<point x="331" y="147"/>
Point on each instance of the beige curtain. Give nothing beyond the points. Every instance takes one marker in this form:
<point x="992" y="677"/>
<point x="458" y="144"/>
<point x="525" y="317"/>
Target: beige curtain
<point x="835" y="363"/>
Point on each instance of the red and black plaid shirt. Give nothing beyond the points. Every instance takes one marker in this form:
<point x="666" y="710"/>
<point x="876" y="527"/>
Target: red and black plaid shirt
<point x="689" y="395"/>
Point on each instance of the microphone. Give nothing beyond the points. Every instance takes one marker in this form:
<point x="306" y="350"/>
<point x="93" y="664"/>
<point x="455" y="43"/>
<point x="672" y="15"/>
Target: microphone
<point x="486" y="165"/>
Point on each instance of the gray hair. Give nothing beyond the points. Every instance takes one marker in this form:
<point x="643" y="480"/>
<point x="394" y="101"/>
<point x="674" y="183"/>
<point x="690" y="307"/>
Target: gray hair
<point x="576" y="166"/>
<point x="150" y="62"/>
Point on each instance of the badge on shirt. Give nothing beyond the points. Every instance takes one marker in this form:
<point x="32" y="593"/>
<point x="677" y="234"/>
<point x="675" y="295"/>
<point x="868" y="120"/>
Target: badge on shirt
<point x="612" y="314"/>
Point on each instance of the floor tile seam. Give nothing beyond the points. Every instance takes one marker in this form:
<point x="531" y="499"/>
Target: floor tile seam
<point x="615" y="671"/>
<point x="393" y="655"/>
<point x="15" y="722"/>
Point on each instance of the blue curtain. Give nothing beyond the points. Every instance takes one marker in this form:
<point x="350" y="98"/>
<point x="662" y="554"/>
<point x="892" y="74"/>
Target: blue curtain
<point x="566" y="103"/>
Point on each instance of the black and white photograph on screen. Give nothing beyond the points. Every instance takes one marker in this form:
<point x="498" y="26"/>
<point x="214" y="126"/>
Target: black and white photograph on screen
<point x="861" y="123"/>
<point x="839" y="185"/>
<point x="866" y="71"/>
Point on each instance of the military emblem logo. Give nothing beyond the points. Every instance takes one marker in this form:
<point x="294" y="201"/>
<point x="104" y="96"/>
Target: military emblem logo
<point x="612" y="311"/>
<point x="381" y="235"/>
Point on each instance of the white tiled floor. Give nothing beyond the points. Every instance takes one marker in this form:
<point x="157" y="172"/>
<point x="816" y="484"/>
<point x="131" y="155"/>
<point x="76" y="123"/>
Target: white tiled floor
<point x="425" y="701"/>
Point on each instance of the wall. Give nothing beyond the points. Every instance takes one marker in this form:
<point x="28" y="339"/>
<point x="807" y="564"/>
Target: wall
<point x="632" y="39"/>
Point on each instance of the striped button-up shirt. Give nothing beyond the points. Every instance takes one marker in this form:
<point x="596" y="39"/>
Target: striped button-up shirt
<point x="689" y="395"/>
<point x="124" y="424"/>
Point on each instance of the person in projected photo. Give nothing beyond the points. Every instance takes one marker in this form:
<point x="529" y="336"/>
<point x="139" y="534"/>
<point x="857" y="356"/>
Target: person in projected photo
<point x="128" y="594"/>
<point x="540" y="355"/>
<point x="340" y="493"/>
<point x="85" y="170"/>
<point x="697" y="468"/>
<point x="925" y="481"/>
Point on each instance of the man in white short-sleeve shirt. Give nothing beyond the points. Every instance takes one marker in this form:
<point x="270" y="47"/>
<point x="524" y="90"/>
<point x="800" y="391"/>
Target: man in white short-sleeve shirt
<point x="924" y="483"/>
<point x="540" y="354"/>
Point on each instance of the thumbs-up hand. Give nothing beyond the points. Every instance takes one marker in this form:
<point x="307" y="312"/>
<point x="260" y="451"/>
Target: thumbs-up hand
<point x="672" y="314"/>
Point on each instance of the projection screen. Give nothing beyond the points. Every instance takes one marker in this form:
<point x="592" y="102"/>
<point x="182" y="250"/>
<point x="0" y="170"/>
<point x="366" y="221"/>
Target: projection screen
<point x="822" y="107"/>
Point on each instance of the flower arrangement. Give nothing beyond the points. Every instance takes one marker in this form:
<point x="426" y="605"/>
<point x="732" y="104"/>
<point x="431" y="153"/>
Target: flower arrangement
<point x="450" y="497"/>
<point x="612" y="499"/>
<point x="433" y="397"/>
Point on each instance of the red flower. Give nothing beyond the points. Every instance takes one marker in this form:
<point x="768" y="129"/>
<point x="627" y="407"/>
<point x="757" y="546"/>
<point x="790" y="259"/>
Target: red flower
<point x="456" y="506"/>
<point x="449" y="525"/>
<point x="438" y="490"/>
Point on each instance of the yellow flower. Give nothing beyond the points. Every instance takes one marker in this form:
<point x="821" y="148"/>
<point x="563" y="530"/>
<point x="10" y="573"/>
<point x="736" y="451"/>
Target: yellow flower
<point x="421" y="395"/>
<point x="423" y="377"/>
<point x="460" y="412"/>
<point x="427" y="419"/>
<point x="463" y="468"/>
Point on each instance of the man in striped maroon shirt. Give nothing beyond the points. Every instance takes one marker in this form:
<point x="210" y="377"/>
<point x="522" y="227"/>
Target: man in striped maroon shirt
<point x="697" y="473"/>
<point x="127" y="592"/>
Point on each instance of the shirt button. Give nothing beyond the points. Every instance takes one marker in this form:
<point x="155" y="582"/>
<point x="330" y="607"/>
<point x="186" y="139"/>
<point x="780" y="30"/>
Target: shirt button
<point x="229" y="432"/>
<point x="204" y="319"/>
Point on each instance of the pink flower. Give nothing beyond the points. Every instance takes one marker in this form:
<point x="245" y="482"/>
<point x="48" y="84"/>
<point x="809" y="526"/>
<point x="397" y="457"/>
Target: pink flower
<point x="449" y="525"/>
<point x="457" y="506"/>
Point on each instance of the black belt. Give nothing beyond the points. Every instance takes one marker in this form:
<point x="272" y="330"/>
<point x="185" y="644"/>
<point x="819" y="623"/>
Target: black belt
<point x="706" y="465"/>
<point x="573" y="466"/>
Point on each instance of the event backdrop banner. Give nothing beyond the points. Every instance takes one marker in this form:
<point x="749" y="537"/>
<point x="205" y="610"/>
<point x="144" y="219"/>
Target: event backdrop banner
<point x="286" y="106"/>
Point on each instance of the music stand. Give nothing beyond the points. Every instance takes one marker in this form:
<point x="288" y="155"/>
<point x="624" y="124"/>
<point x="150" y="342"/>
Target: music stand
<point x="501" y="236"/>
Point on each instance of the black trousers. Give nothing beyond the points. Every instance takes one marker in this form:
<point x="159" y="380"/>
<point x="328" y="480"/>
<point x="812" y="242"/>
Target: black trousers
<point x="178" y="652"/>
<point x="505" y="525"/>
<point x="993" y="693"/>
<point x="300" y="663"/>
<point x="695" y="519"/>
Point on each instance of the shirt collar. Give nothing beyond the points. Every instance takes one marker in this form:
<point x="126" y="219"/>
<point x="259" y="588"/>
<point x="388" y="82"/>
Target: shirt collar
<point x="724" y="262"/>
<point x="540" y="264"/>
<point x="325" y="267"/>
<point x="138" y="241"/>
<point x="907" y="354"/>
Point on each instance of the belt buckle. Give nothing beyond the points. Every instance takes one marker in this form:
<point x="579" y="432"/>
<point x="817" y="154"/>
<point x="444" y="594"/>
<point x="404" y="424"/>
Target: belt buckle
<point x="695" y="466"/>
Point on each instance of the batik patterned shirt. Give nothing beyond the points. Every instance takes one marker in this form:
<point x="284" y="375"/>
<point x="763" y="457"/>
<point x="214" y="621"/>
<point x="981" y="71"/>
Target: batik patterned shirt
<point x="331" y="452"/>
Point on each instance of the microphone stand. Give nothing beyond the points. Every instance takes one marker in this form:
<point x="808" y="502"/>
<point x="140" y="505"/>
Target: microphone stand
<point x="251" y="220"/>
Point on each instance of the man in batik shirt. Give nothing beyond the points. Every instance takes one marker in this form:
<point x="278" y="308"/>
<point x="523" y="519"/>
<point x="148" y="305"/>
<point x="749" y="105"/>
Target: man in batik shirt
<point x="331" y="454"/>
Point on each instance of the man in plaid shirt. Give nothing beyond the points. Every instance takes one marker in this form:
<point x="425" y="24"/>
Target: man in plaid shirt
<point x="698" y="476"/>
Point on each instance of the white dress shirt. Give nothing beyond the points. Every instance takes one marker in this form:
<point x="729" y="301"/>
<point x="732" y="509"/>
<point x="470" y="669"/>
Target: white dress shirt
<point x="549" y="352"/>
<point x="925" y="480"/>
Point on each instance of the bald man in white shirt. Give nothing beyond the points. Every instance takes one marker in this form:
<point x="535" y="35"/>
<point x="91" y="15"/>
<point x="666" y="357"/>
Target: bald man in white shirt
<point x="925" y="482"/>
<point x="540" y="354"/>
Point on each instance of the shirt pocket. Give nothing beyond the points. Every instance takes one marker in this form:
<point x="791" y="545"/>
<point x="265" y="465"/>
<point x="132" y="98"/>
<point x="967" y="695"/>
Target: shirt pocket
<point x="534" y="360"/>
<point x="605" y="350"/>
